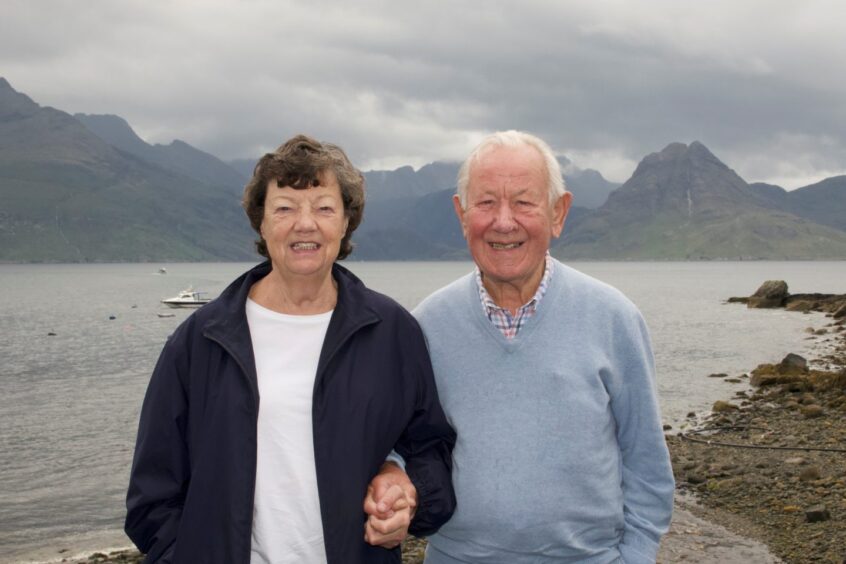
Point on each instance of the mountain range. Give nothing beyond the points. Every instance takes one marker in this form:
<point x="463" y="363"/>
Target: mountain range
<point x="87" y="188"/>
<point x="684" y="203"/>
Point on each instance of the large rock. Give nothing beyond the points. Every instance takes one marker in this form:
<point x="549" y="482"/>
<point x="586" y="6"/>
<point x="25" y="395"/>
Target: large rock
<point x="772" y="293"/>
<point x="793" y="363"/>
<point x="723" y="406"/>
<point x="812" y="411"/>
<point x="817" y="514"/>
<point x="791" y="369"/>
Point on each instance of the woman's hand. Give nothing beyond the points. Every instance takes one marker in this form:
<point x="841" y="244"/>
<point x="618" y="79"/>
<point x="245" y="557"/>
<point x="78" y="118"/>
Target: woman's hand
<point x="390" y="505"/>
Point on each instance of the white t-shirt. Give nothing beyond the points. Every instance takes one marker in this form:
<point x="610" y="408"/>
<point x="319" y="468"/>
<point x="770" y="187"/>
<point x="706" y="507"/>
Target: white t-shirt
<point x="286" y="516"/>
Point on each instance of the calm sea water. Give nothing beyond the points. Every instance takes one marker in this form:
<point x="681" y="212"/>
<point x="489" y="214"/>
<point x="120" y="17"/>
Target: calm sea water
<point x="69" y="403"/>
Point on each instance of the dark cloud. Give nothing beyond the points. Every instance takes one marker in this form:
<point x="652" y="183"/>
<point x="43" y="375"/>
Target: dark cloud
<point x="605" y="82"/>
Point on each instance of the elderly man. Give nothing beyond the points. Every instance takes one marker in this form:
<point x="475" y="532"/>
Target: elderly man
<point x="547" y="377"/>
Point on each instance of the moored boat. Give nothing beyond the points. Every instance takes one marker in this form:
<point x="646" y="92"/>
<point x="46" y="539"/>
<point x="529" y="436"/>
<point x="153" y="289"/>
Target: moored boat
<point x="188" y="297"/>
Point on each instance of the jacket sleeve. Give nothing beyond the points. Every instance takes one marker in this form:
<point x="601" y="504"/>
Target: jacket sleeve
<point x="648" y="483"/>
<point x="426" y="444"/>
<point x="160" y="467"/>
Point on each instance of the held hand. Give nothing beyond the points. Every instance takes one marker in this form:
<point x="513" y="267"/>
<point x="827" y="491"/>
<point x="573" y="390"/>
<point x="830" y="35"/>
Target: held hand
<point x="391" y="530"/>
<point x="390" y="505"/>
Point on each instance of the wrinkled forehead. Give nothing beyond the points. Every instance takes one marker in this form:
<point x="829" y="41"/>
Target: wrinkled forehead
<point x="521" y="165"/>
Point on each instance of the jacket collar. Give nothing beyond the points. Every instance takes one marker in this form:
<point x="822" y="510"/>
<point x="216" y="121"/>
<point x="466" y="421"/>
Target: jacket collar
<point x="227" y="315"/>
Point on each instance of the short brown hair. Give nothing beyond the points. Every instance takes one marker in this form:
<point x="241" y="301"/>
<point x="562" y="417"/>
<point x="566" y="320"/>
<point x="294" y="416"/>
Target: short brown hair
<point x="299" y="163"/>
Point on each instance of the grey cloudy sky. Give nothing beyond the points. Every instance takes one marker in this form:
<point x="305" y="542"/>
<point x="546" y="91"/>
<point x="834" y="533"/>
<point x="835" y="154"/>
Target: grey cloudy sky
<point x="605" y="82"/>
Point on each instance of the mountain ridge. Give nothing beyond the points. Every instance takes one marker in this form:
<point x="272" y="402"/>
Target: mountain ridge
<point x="88" y="188"/>
<point x="684" y="203"/>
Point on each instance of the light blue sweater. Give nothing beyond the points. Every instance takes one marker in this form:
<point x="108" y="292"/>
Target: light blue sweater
<point x="560" y="454"/>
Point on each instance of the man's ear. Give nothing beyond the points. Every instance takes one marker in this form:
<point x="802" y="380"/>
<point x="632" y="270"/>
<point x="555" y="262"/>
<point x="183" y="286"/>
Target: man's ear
<point x="559" y="213"/>
<point x="459" y="212"/>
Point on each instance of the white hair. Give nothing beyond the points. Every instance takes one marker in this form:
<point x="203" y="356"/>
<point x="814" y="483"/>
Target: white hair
<point x="511" y="138"/>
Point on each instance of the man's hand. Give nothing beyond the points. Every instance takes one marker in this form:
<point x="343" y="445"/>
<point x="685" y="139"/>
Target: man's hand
<point x="390" y="505"/>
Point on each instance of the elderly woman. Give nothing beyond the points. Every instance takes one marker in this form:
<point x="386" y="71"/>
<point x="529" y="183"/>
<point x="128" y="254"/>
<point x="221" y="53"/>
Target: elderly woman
<point x="271" y="408"/>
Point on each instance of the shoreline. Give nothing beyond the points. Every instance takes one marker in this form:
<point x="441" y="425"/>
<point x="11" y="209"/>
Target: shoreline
<point x="770" y="463"/>
<point x="770" y="497"/>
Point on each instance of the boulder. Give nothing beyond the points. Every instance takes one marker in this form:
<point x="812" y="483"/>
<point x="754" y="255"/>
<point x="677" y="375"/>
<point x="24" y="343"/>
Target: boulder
<point x="817" y="514"/>
<point x="723" y="406"/>
<point x="772" y="293"/>
<point x="812" y="411"/>
<point x="810" y="474"/>
<point x="791" y="363"/>
<point x="840" y="311"/>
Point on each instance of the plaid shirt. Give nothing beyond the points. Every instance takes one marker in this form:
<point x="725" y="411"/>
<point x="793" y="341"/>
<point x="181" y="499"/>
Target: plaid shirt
<point x="502" y="318"/>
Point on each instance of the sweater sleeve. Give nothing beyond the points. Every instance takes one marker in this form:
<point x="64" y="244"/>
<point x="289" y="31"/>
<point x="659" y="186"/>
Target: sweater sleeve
<point x="160" y="467"/>
<point x="648" y="483"/>
<point x="426" y="445"/>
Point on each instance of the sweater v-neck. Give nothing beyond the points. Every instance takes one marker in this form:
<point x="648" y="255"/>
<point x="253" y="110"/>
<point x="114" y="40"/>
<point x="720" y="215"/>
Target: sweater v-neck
<point x="515" y="343"/>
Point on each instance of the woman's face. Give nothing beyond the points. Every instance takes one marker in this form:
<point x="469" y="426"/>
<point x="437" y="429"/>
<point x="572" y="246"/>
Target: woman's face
<point x="303" y="228"/>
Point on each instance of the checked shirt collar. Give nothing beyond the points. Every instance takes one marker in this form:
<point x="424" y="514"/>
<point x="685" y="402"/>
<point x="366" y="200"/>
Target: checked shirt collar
<point x="502" y="319"/>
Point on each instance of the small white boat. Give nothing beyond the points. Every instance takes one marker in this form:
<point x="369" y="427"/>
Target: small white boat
<point x="187" y="298"/>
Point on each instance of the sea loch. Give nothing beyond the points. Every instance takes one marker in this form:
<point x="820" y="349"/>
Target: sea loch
<point x="69" y="402"/>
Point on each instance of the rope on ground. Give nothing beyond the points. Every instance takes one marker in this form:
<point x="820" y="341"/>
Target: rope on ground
<point x="687" y="437"/>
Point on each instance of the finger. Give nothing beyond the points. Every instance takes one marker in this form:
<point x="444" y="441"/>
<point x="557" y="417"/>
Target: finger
<point x="370" y="502"/>
<point x="388" y="500"/>
<point x="398" y="523"/>
<point x="376" y="538"/>
<point x="385" y="540"/>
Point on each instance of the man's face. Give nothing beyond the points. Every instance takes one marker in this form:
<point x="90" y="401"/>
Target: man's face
<point x="508" y="221"/>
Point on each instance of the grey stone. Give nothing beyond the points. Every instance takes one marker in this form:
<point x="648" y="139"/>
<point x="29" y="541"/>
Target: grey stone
<point x="817" y="514"/>
<point x="794" y="361"/>
<point x="772" y="293"/>
<point x="810" y="474"/>
<point x="812" y="411"/>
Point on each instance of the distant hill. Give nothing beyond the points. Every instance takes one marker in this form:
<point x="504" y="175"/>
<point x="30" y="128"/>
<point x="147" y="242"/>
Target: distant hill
<point x="86" y="188"/>
<point x="823" y="202"/>
<point x="684" y="203"/>
<point x="68" y="196"/>
<point x="178" y="156"/>
<point x="411" y="229"/>
<point x="244" y="167"/>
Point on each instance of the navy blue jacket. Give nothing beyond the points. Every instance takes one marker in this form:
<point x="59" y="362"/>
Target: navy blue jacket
<point x="190" y="497"/>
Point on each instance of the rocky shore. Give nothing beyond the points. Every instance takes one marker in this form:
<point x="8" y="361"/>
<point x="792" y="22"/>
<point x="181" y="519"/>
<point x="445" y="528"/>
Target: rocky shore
<point x="771" y="462"/>
<point x="768" y="464"/>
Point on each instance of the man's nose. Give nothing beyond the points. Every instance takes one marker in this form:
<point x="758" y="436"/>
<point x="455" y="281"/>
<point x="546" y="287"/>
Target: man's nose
<point x="504" y="220"/>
